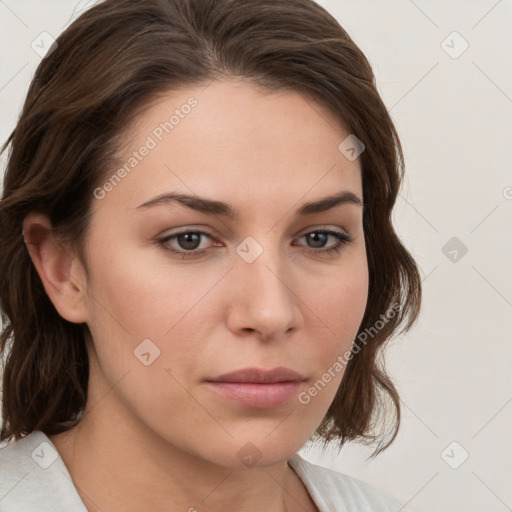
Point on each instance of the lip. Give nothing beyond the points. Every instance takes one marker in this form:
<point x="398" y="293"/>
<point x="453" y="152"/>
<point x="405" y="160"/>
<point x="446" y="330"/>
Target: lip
<point x="260" y="376"/>
<point x="258" y="388"/>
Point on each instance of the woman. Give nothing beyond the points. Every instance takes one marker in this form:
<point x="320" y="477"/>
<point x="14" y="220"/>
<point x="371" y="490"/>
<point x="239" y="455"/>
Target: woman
<point x="199" y="264"/>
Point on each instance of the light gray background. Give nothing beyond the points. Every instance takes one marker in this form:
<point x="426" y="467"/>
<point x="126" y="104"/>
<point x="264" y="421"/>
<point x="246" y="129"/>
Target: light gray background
<point x="454" y="117"/>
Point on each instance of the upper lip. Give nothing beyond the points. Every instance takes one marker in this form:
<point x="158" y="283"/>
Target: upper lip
<point x="257" y="375"/>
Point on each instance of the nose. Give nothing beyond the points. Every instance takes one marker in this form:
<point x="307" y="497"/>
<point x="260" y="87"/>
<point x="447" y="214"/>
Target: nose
<point x="262" y="296"/>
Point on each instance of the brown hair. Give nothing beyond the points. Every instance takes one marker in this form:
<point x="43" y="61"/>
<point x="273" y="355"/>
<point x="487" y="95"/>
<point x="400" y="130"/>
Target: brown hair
<point x="106" y="66"/>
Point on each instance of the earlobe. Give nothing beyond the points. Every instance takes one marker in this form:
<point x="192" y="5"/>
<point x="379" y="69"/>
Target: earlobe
<point x="58" y="267"/>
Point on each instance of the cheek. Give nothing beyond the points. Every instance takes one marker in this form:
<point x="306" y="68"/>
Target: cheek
<point x="346" y="308"/>
<point x="144" y="295"/>
<point x="135" y="309"/>
<point x="131" y="302"/>
<point x="341" y="307"/>
<point x="341" y="303"/>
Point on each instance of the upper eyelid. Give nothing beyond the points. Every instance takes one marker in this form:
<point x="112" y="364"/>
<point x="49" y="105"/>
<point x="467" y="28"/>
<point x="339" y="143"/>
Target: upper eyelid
<point x="214" y="233"/>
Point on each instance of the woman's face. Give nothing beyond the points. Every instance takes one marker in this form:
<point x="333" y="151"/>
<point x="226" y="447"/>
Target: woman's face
<point x="181" y="292"/>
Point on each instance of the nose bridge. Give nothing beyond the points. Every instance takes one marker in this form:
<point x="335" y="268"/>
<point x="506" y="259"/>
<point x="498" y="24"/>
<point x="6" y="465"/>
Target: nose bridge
<point x="263" y="293"/>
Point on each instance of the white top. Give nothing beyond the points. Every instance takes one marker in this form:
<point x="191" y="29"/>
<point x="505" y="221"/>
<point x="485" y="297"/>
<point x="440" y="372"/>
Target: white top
<point x="34" y="478"/>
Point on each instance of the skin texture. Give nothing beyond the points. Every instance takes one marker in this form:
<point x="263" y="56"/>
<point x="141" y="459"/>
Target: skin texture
<point x="156" y="437"/>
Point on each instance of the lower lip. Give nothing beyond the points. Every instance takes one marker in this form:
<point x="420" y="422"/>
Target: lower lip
<point x="258" y="396"/>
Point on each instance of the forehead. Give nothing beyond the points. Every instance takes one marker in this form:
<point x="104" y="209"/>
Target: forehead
<point x="231" y="140"/>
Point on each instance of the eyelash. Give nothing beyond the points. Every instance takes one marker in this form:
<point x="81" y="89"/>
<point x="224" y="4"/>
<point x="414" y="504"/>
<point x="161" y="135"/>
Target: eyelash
<point x="343" y="240"/>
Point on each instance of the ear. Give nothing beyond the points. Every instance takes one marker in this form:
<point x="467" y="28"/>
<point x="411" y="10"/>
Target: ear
<point x="60" y="270"/>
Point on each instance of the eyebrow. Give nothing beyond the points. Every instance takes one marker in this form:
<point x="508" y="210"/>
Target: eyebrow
<point x="212" y="207"/>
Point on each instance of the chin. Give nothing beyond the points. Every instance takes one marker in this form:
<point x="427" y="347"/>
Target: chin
<point x="258" y="451"/>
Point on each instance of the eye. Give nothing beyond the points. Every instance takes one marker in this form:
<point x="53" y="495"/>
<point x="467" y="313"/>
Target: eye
<point x="319" y="239"/>
<point x="187" y="241"/>
<point x="185" y="244"/>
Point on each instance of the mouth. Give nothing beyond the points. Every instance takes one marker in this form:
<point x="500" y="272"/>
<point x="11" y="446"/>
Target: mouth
<point x="257" y="388"/>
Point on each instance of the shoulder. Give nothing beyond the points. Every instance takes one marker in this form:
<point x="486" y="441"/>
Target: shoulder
<point x="332" y="490"/>
<point x="33" y="477"/>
